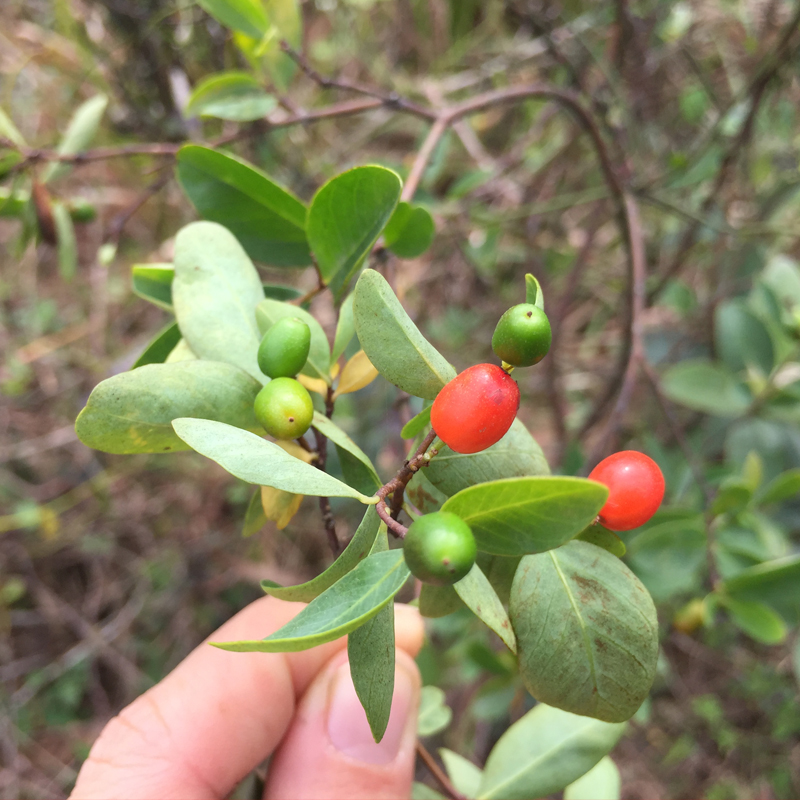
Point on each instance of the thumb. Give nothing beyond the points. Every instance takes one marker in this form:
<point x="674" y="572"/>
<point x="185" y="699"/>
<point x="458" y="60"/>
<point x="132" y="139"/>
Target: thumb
<point x="329" y="753"/>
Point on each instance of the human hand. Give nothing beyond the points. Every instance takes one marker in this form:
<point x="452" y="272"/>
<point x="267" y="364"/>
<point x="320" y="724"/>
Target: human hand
<point x="218" y="714"/>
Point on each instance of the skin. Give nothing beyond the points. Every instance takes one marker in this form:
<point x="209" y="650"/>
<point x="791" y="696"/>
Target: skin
<point x="219" y="714"/>
<point x="476" y="408"/>
<point x="635" y="489"/>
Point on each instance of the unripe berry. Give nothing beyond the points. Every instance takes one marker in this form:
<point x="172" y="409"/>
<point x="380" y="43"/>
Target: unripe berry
<point x="475" y="409"/>
<point x="439" y="548"/>
<point x="284" y="408"/>
<point x="522" y="336"/>
<point x="284" y="348"/>
<point x="635" y="489"/>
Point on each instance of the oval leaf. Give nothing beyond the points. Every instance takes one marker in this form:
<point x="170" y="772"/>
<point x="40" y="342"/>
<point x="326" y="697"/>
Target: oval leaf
<point x="346" y="217"/>
<point x="358" y="549"/>
<point x="279" y="506"/>
<point x="343" y="442"/>
<point x="417" y="424"/>
<point x="269" y="311"/>
<point x="133" y="412"/>
<point x="256" y="460"/>
<point x="153" y="282"/>
<point x="466" y="777"/>
<point x="533" y="292"/>
<point x="707" y="387"/>
<point x="783" y="487"/>
<point x="254" y="519"/>
<point x="79" y="134"/>
<point x="587" y="633"/>
<point x="776" y="583"/>
<point x="161" y="346"/>
<point x="215" y="293"/>
<point x="479" y="596"/>
<point x="434" y="713"/>
<point x="757" y="620"/>
<point x="235" y="96"/>
<point x="602" y="537"/>
<point x="268" y="220"/>
<point x="601" y="782"/>
<point x="544" y="751"/>
<point x="517" y="454"/>
<point x="393" y="342"/>
<point x="67" y="244"/>
<point x="515" y="516"/>
<point x="245" y="16"/>
<point x="345" y="329"/>
<point x="358" y="372"/>
<point x="410" y="231"/>
<point x="349" y="603"/>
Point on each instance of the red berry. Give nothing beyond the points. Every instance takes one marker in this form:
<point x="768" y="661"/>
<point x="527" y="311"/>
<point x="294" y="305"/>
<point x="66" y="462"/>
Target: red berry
<point x="635" y="489"/>
<point x="476" y="408"/>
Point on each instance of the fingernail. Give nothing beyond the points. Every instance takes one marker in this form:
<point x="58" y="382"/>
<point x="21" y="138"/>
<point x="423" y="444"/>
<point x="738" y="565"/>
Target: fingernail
<point x="348" y="728"/>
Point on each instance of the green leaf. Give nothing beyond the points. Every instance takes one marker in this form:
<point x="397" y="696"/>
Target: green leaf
<point x="587" y="632"/>
<point x="246" y="16"/>
<point x="706" y="387"/>
<point x="757" y="620"/>
<point x="517" y="454"/>
<point x="153" y="282"/>
<point x="286" y="21"/>
<point x="370" y="651"/>
<point x="234" y="96"/>
<point x="254" y="517"/>
<point x="515" y="516"/>
<point x="543" y="752"/>
<point x="499" y="571"/>
<point x="421" y="791"/>
<point x="434" y="713"/>
<point x="345" y="329"/>
<point x="423" y="494"/>
<point x="162" y="345"/>
<point x="533" y="291"/>
<point x="669" y="557"/>
<point x="268" y="220"/>
<point x="602" y="537"/>
<point x="67" y="245"/>
<point x="342" y="441"/>
<point x="776" y="583"/>
<point x="182" y="352"/>
<point x="269" y="311"/>
<point x="417" y="424"/>
<point x="215" y="293"/>
<point x="346" y="216"/>
<point x="255" y="460"/>
<point x="783" y="487"/>
<point x="80" y="131"/>
<point x="438" y="601"/>
<point x="393" y="342"/>
<point x="358" y="549"/>
<point x="741" y="338"/>
<point x="479" y="596"/>
<point x="463" y="774"/>
<point x="410" y="231"/>
<point x="10" y="130"/>
<point x="601" y="782"/>
<point x="734" y="494"/>
<point x="133" y="412"/>
<point x="348" y="604"/>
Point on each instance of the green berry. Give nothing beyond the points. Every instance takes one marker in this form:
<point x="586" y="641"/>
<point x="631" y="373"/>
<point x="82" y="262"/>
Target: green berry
<point x="284" y="408"/>
<point x="522" y="336"/>
<point x="439" y="548"/>
<point x="284" y="349"/>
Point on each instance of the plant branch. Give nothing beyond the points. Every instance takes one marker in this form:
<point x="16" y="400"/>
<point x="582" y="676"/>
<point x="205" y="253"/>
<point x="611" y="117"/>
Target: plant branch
<point x="397" y="486"/>
<point x="438" y="773"/>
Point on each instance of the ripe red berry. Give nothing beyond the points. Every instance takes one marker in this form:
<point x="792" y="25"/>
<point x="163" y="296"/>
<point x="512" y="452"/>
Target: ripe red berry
<point x="635" y="489"/>
<point x="476" y="408"/>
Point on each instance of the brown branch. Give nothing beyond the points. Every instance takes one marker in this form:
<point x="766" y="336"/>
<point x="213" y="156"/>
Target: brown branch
<point x="389" y="99"/>
<point x="438" y="773"/>
<point x="121" y="220"/>
<point x="322" y="457"/>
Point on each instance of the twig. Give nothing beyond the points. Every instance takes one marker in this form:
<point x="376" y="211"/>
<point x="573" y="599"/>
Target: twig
<point x="438" y="773"/>
<point x="121" y="220"/>
<point x="396" y="487"/>
<point x="322" y="458"/>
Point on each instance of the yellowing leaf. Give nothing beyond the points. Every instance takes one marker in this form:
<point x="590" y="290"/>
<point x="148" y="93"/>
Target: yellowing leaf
<point x="279" y="506"/>
<point x="335" y="369"/>
<point x="314" y="384"/>
<point x="358" y="372"/>
<point x="294" y="449"/>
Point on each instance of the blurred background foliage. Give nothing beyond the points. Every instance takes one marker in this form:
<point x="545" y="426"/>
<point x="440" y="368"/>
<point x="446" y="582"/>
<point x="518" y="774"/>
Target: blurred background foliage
<point x="113" y="568"/>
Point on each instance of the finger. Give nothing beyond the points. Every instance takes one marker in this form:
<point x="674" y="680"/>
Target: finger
<point x="329" y="753"/>
<point x="215" y="717"/>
